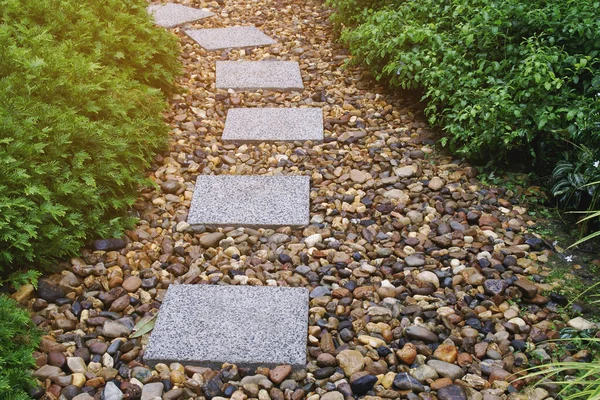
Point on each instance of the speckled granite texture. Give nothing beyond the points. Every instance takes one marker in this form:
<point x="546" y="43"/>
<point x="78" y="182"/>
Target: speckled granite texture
<point x="249" y="326"/>
<point x="170" y="15"/>
<point x="227" y="38"/>
<point x="273" y="124"/>
<point x="258" y="201"/>
<point x="253" y="75"/>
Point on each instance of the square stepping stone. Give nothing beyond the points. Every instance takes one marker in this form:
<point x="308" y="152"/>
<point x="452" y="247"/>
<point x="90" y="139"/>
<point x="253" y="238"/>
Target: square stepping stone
<point x="226" y="38"/>
<point x="253" y="75"/>
<point x="243" y="200"/>
<point x="170" y="15"/>
<point x="273" y="124"/>
<point x="250" y="326"/>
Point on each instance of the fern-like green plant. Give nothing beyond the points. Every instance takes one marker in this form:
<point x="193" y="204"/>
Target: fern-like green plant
<point x="82" y="89"/>
<point x="18" y="340"/>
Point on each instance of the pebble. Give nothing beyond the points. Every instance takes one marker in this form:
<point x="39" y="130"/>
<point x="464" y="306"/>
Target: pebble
<point x="404" y="381"/>
<point x="335" y="395"/>
<point x="152" y="390"/>
<point x="350" y="361"/>
<point x="580" y="323"/>
<point x="112" y="392"/>
<point x="447" y="370"/>
<point x="420" y="333"/>
<point x="452" y="392"/>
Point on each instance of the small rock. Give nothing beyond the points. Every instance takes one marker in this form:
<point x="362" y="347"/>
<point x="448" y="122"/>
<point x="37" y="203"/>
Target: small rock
<point x="358" y="176"/>
<point x="452" y="392"/>
<point x="351" y="361"/>
<point x="493" y="287"/>
<point x="436" y="183"/>
<point x="111" y="392"/>
<point x="132" y="283"/>
<point x="580" y="323"/>
<point x="404" y="381"/>
<point x="109" y="244"/>
<point x="362" y="385"/>
<point x="48" y="372"/>
<point x="311" y="240"/>
<point x="528" y="288"/>
<point x="279" y="373"/>
<point x="170" y="186"/>
<point x="113" y="329"/>
<point x="428" y="276"/>
<point x="405" y="172"/>
<point x="211" y="239"/>
<point x="335" y="395"/>
<point x="446" y="370"/>
<point x="414" y="260"/>
<point x="419" y="333"/>
<point x="49" y="291"/>
<point x="152" y="390"/>
<point x="446" y="352"/>
<point x="76" y="364"/>
<point x="57" y="358"/>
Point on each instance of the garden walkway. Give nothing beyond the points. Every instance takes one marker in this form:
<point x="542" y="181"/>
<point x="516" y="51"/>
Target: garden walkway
<point x="352" y="258"/>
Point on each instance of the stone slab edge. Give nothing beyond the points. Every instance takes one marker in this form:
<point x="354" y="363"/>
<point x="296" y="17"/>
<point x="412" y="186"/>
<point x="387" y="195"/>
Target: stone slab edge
<point x="254" y="37"/>
<point x="289" y="83"/>
<point x="199" y="14"/>
<point x="154" y="353"/>
<point x="235" y="130"/>
<point x="304" y="181"/>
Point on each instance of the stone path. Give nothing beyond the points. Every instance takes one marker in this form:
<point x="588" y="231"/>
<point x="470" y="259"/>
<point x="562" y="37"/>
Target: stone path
<point x="170" y="15"/>
<point x="226" y="38"/>
<point x="258" y="201"/>
<point x="422" y="282"/>
<point x="254" y="75"/>
<point x="244" y="325"/>
<point x="273" y="124"/>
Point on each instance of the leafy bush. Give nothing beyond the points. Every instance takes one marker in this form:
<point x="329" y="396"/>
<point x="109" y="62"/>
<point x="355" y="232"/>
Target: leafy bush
<point x="18" y="339"/>
<point x="505" y="79"/>
<point x="80" y="120"/>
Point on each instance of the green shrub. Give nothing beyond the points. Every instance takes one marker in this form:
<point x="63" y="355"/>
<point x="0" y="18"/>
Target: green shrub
<point x="18" y="340"/>
<point x="504" y="79"/>
<point x="80" y="120"/>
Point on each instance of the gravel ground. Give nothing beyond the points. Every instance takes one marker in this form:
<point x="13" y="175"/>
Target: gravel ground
<point x="424" y="284"/>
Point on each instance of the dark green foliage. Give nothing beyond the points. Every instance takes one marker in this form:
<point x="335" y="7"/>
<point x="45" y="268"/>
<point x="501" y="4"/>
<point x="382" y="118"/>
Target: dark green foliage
<point x="80" y="120"/>
<point x="18" y="340"/>
<point x="502" y="78"/>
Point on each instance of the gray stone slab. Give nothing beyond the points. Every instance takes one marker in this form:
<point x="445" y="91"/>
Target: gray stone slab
<point x="227" y="38"/>
<point x="253" y="75"/>
<point x="273" y="124"/>
<point x="249" y="326"/>
<point x="170" y="15"/>
<point x="258" y="201"/>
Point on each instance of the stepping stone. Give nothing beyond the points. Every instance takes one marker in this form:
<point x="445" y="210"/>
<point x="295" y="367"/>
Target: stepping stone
<point x="249" y="326"/>
<point x="226" y="38"/>
<point x="170" y="15"/>
<point x="253" y="75"/>
<point x="273" y="124"/>
<point x="258" y="201"/>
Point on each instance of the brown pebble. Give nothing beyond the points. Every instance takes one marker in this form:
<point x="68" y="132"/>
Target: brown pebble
<point x="132" y="283"/>
<point x="279" y="373"/>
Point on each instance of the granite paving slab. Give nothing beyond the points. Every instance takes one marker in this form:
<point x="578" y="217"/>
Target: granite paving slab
<point x="226" y="38"/>
<point x="243" y="200"/>
<point x="273" y="124"/>
<point x="170" y="15"/>
<point x="249" y="326"/>
<point x="253" y="75"/>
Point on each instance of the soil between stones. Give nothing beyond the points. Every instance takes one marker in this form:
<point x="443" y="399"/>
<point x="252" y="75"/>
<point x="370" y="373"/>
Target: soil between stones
<point x="419" y="277"/>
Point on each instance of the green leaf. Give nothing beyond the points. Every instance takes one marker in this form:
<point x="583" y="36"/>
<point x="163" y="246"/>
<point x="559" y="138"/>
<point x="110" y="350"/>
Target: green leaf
<point x="145" y="325"/>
